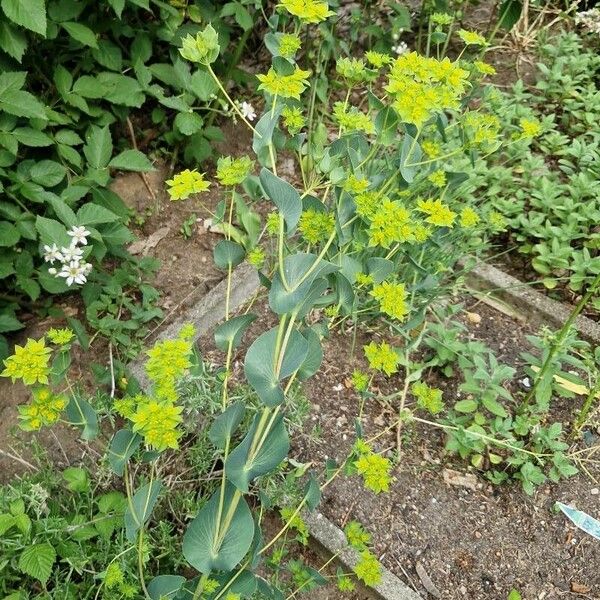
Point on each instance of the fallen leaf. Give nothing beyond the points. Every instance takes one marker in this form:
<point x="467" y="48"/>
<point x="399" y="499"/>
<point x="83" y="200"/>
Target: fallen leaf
<point x="579" y="588"/>
<point x="466" y="480"/>
<point x="144" y="246"/>
<point x="426" y="581"/>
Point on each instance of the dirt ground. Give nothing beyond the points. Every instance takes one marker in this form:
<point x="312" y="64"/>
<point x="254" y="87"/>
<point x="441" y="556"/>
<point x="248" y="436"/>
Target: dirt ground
<point x="472" y="540"/>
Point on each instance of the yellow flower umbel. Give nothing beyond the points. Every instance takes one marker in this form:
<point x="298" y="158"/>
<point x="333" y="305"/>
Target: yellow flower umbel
<point x="529" y="128"/>
<point x="428" y="398"/>
<point x="29" y="363"/>
<point x="482" y="130"/>
<point x="423" y="87"/>
<point x="353" y="70"/>
<point x="367" y="203"/>
<point x="484" y="68"/>
<point x="356" y="535"/>
<point x="168" y="361"/>
<point x="289" y="44"/>
<point x="186" y="183"/>
<point x="60" y="337"/>
<point x="468" y="218"/>
<point x="392" y="299"/>
<point x="382" y="357"/>
<point x="349" y="118"/>
<point x="293" y="119"/>
<point x="368" y="568"/>
<point x="374" y="469"/>
<point x="284" y="86"/>
<point x="355" y="185"/>
<point x="44" y="409"/>
<point x="308" y="11"/>
<point x="233" y="171"/>
<point x="472" y="38"/>
<point x="439" y="214"/>
<point x="377" y="59"/>
<point x="389" y="224"/>
<point x="437" y="178"/>
<point x="157" y="422"/>
<point x="316" y="226"/>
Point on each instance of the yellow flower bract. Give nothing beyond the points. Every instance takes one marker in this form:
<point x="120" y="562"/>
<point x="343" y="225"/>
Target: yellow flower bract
<point x="186" y="183"/>
<point x="309" y="11"/>
<point x="284" y="86"/>
<point x="29" y="363"/>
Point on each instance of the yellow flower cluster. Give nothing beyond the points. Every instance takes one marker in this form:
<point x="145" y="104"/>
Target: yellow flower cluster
<point x="360" y="380"/>
<point x="284" y="86"/>
<point x="469" y="218"/>
<point x="295" y="522"/>
<point x="432" y="149"/>
<point x="484" y="68"/>
<point x="530" y="128"/>
<point x="157" y="422"/>
<point x="482" y="130"/>
<point x="368" y="568"/>
<point x="256" y="257"/>
<point x="367" y="203"/>
<point x="374" y="469"/>
<point x="168" y="361"/>
<point x="438" y="213"/>
<point x="357" y="536"/>
<point x="352" y="69"/>
<point x="392" y="299"/>
<point x="293" y="119"/>
<point x="233" y="171"/>
<point x="316" y="226"/>
<point x="389" y="224"/>
<point x="428" y="398"/>
<point x="472" y="38"/>
<point x="382" y="357"/>
<point x="351" y="118"/>
<point x="437" y="178"/>
<point x="203" y="49"/>
<point x="425" y="86"/>
<point x="289" y="44"/>
<point x="441" y="18"/>
<point x="29" y="363"/>
<point x="44" y="409"/>
<point x="186" y="183"/>
<point x="378" y="59"/>
<point x="308" y="11"/>
<point x="355" y="185"/>
<point x="60" y="337"/>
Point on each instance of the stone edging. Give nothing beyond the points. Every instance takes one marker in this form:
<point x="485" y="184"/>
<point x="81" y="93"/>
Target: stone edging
<point x="323" y="533"/>
<point x="536" y="307"/>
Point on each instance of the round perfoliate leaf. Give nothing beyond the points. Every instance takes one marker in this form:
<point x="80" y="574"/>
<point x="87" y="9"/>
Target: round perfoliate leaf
<point x="228" y="254"/>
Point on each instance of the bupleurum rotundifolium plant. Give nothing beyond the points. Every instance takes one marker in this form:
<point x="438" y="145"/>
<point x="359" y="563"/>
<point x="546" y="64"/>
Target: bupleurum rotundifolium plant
<point x="370" y="229"/>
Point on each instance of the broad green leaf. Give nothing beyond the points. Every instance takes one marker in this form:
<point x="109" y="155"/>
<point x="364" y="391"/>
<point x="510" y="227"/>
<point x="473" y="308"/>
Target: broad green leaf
<point x="6" y="522"/>
<point x="188" y="123"/>
<point x="32" y="137"/>
<point x="165" y="587"/>
<point x="466" y="406"/>
<point x="314" y="357"/>
<point x="284" y="196"/>
<point x="47" y="173"/>
<point x="121" y="89"/>
<point x="207" y="552"/>
<point x="94" y="214"/>
<point x="122" y="447"/>
<point x="81" y="33"/>
<point x="22" y="104"/>
<point x="226" y="423"/>
<point x="299" y="276"/>
<point x="410" y="154"/>
<point x="30" y="14"/>
<point x="81" y="414"/>
<point x="98" y="147"/>
<point x="379" y="268"/>
<point x="203" y="85"/>
<point x="37" y="561"/>
<point x="141" y="508"/>
<point x="12" y="41"/>
<point x="52" y="232"/>
<point x="260" y="364"/>
<point x="509" y="13"/>
<point x="312" y="493"/>
<point x="63" y="211"/>
<point x="514" y="595"/>
<point x="9" y="322"/>
<point x="78" y="479"/>
<point x="241" y="468"/>
<point x="131" y="160"/>
<point x="228" y="254"/>
<point x="494" y="407"/>
<point x="117" y="6"/>
<point x="264" y="131"/>
<point x="9" y="234"/>
<point x="231" y="331"/>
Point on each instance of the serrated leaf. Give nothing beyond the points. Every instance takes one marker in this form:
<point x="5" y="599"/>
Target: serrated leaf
<point x="466" y="406"/>
<point x="22" y="104"/>
<point x="204" y="549"/>
<point x="78" y="479"/>
<point x="81" y="33"/>
<point x="30" y="14"/>
<point x="12" y="41"/>
<point x="98" y="147"/>
<point x="131" y="160"/>
<point x="141" y="508"/>
<point x="94" y="214"/>
<point x="37" y="561"/>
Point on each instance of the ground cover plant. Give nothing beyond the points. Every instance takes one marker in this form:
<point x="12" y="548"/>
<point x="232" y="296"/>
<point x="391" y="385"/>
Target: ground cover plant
<point x="368" y="232"/>
<point x="75" y="78"/>
<point x="548" y="191"/>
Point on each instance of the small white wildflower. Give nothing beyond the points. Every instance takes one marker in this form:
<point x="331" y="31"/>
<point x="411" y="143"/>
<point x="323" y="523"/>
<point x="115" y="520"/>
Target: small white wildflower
<point x="72" y="253"/>
<point x="400" y="49"/>
<point x="248" y="111"/>
<point x="51" y="253"/>
<point x="73" y="273"/>
<point x="87" y="268"/>
<point x="52" y="271"/>
<point x="79" y="234"/>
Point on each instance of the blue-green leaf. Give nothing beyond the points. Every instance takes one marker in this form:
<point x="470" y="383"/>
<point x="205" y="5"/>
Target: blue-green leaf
<point x="141" y="508"/>
<point x="122" y="447"/>
<point x="81" y="414"/>
<point x="165" y="587"/>
<point x="231" y="331"/>
<point x="284" y="196"/>
<point x="226" y="423"/>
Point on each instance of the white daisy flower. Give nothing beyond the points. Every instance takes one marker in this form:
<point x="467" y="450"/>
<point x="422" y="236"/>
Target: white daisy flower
<point x="79" y="234"/>
<point x="248" y="111"/>
<point x="71" y="254"/>
<point x="51" y="253"/>
<point x="73" y="273"/>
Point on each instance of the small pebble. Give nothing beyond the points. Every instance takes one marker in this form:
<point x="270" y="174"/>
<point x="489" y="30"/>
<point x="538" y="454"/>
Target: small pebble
<point x="595" y="491"/>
